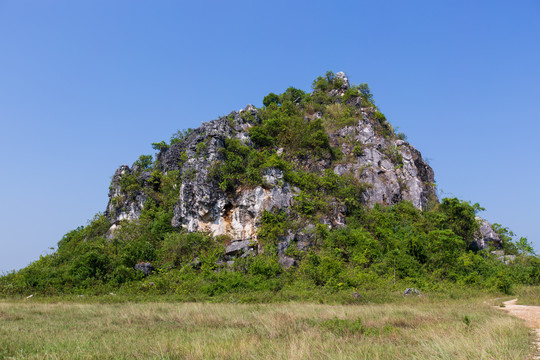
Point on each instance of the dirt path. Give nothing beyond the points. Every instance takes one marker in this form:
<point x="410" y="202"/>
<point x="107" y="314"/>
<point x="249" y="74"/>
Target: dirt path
<point x="531" y="315"/>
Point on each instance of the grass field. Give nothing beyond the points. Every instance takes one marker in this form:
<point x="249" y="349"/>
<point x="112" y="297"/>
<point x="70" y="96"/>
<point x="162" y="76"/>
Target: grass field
<point x="528" y="295"/>
<point x="415" y="328"/>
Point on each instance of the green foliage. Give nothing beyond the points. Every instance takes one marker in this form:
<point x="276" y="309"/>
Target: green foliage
<point x="273" y="225"/>
<point x="338" y="116"/>
<point x="91" y="264"/>
<point x="524" y="246"/>
<point x="242" y="165"/>
<point x="401" y="136"/>
<point x="506" y="236"/>
<point x="444" y="248"/>
<point x="169" y="189"/>
<point x="467" y="320"/>
<point x="181" y="248"/>
<point x="380" y="248"/>
<point x="160" y="146"/>
<point x="201" y="148"/>
<point x="504" y="283"/>
<point x="180" y="136"/>
<point x="358" y="150"/>
<point x="292" y="95"/>
<point x="367" y="96"/>
<point x="271" y="98"/>
<point x="350" y="93"/>
<point x="129" y="183"/>
<point x="260" y="137"/>
<point x="266" y="266"/>
<point x="321" y="83"/>
<point x="393" y="154"/>
<point x="462" y="217"/>
<point x="382" y="126"/>
<point x="328" y="82"/>
<point x="144" y="162"/>
<point x="285" y="127"/>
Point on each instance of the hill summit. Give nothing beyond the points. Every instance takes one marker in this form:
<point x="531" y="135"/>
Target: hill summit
<point x="231" y="170"/>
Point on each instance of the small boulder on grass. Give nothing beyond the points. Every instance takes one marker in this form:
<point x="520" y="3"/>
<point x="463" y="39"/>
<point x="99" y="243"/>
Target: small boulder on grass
<point x="412" y="291"/>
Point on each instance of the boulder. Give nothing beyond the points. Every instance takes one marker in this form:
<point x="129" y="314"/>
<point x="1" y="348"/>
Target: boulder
<point x="286" y="261"/>
<point x="486" y="236"/>
<point x="241" y="247"/>
<point x="145" y="267"/>
<point x="412" y="291"/>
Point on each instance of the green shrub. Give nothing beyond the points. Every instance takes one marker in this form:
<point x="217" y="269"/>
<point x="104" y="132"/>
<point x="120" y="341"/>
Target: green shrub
<point x="180" y="136"/>
<point x="260" y="138"/>
<point x="160" y="146"/>
<point x="367" y="96"/>
<point x="273" y="226"/>
<point x="266" y="266"/>
<point x="292" y="95"/>
<point x="461" y="217"/>
<point x="181" y="248"/>
<point x="271" y="98"/>
<point x="358" y="150"/>
<point x="350" y="93"/>
<point x="504" y="283"/>
<point x="144" y="162"/>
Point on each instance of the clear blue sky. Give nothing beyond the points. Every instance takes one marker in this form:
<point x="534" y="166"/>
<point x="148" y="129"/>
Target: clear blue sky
<point x="86" y="86"/>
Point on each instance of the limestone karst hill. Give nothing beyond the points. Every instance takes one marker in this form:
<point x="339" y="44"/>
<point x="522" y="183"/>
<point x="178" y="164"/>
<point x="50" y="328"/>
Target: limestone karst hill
<point x="311" y="188"/>
<point x="356" y="142"/>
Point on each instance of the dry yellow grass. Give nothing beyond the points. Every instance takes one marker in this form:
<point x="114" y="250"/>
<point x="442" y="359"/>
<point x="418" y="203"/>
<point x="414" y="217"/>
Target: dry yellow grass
<point x="416" y="329"/>
<point x="528" y="295"/>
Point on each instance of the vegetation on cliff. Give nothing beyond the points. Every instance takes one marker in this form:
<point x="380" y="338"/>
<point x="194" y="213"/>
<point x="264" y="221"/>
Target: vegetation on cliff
<point x="377" y="247"/>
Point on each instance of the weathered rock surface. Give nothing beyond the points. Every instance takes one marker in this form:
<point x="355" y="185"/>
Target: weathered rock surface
<point x="124" y="206"/>
<point x="486" y="236"/>
<point x="145" y="267"/>
<point x="240" y="247"/>
<point x="412" y="291"/>
<point x="392" y="169"/>
<point x="504" y="258"/>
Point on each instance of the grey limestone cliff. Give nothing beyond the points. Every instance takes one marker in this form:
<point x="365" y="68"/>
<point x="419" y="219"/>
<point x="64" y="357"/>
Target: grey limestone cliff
<point x="391" y="168"/>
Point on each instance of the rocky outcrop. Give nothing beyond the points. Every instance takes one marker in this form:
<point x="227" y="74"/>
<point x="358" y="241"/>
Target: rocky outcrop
<point x="486" y="236"/>
<point x="145" y="267"/>
<point x="124" y="205"/>
<point x="394" y="170"/>
<point x="391" y="169"/>
<point x="204" y="207"/>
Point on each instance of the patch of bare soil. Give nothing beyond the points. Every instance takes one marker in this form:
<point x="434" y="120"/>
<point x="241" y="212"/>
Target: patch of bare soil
<point x="531" y="315"/>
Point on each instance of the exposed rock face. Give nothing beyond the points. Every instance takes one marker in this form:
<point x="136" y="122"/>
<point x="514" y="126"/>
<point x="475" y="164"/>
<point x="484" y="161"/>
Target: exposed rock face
<point x="145" y="267"/>
<point x="487" y="236"/>
<point x="204" y="207"/>
<point x="343" y="78"/>
<point x="241" y="248"/>
<point x="392" y="169"/>
<point x="502" y="257"/>
<point x="124" y="206"/>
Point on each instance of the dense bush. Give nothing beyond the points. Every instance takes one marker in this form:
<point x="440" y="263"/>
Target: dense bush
<point x="379" y="247"/>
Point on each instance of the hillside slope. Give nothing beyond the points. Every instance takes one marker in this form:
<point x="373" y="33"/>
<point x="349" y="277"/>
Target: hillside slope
<point x="311" y="192"/>
<point x="357" y="142"/>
